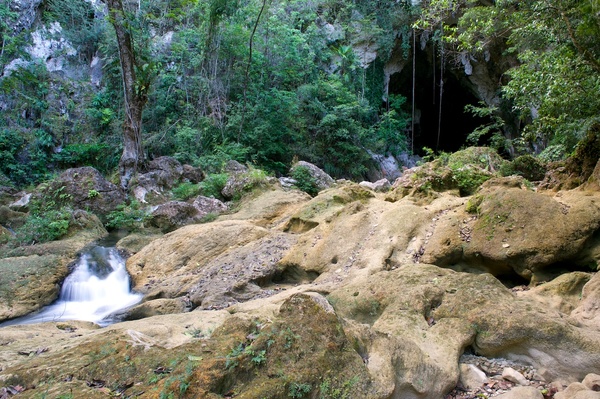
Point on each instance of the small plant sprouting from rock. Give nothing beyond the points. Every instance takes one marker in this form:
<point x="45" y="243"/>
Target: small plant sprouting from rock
<point x="299" y="390"/>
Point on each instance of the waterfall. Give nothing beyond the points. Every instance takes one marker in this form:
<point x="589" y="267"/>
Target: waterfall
<point x="96" y="289"/>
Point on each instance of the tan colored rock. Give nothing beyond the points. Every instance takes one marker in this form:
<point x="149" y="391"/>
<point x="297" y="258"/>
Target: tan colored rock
<point x="572" y="391"/>
<point x="440" y="312"/>
<point x="471" y="377"/>
<point x="154" y="308"/>
<point x="592" y="382"/>
<point x="512" y="216"/>
<point x="214" y="265"/>
<point x="522" y="393"/>
<point x="268" y="208"/>
<point x="588" y="311"/>
<point x="564" y="293"/>
<point x="513" y="375"/>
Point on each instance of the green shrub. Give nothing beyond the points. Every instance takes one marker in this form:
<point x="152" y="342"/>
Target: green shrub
<point x="527" y="166"/>
<point x="305" y="181"/>
<point x="185" y="191"/>
<point x="128" y="217"/>
<point x="43" y="227"/>
<point x="98" y="155"/>
<point x="213" y="185"/>
<point x="469" y="179"/>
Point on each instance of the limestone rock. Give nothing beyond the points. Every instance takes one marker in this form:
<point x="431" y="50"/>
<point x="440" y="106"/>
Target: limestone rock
<point x="564" y="293"/>
<point x="576" y="390"/>
<point x="206" y="205"/>
<point x="471" y="377"/>
<point x="513" y="375"/>
<point x="501" y="215"/>
<point x="192" y="174"/>
<point x="215" y="265"/>
<point x="522" y="393"/>
<point x="163" y="173"/>
<point x="22" y="204"/>
<point x="82" y="188"/>
<point x="592" y="382"/>
<point x="435" y="306"/>
<point x="154" y="308"/>
<point x="172" y="215"/>
<point x="378" y="186"/>
<point x="588" y="311"/>
<point x="322" y="179"/>
<point x="269" y="208"/>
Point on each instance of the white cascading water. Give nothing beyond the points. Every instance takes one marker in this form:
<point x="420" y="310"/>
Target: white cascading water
<point x="97" y="288"/>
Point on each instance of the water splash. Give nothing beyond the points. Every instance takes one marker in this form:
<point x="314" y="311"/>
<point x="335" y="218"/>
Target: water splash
<point x="96" y="289"/>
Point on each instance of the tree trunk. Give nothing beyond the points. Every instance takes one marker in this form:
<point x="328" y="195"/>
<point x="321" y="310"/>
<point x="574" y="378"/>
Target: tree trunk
<point x="135" y="98"/>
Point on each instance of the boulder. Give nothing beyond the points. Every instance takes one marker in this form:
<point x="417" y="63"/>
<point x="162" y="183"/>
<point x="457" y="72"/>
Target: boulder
<point x="206" y="205"/>
<point x="82" y="188"/>
<point x="378" y="186"/>
<point x="514" y="376"/>
<point x="154" y="308"/>
<point x="577" y="390"/>
<point x="322" y="179"/>
<point x="421" y="317"/>
<point x="592" y="382"/>
<point x="564" y="293"/>
<point x="234" y="167"/>
<point x="461" y="172"/>
<point x="192" y="174"/>
<point x="172" y="215"/>
<point x="587" y="313"/>
<point x="498" y="232"/>
<point x="163" y="173"/>
<point x="471" y="377"/>
<point x="22" y="204"/>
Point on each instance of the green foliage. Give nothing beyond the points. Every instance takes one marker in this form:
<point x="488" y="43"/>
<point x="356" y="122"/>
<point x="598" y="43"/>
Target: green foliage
<point x="305" y="181"/>
<point x="44" y="226"/>
<point x="553" y="83"/>
<point x="332" y="389"/>
<point x="185" y="191"/>
<point x="127" y="216"/>
<point x="491" y="132"/>
<point x="529" y="167"/>
<point x="299" y="390"/>
<point x="97" y="155"/>
<point x="213" y="184"/>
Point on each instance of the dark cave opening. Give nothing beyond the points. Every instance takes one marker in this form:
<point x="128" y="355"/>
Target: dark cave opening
<point x="456" y="123"/>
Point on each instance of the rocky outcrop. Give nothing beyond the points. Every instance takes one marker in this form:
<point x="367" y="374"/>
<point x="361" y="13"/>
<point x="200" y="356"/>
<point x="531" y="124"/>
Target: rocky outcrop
<point x="340" y="285"/>
<point x="81" y="188"/>
<point x="206" y="205"/>
<point x="502" y="233"/>
<point x="173" y="214"/>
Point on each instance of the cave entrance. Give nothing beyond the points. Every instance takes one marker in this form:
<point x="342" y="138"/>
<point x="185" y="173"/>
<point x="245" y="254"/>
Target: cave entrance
<point x="456" y="123"/>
